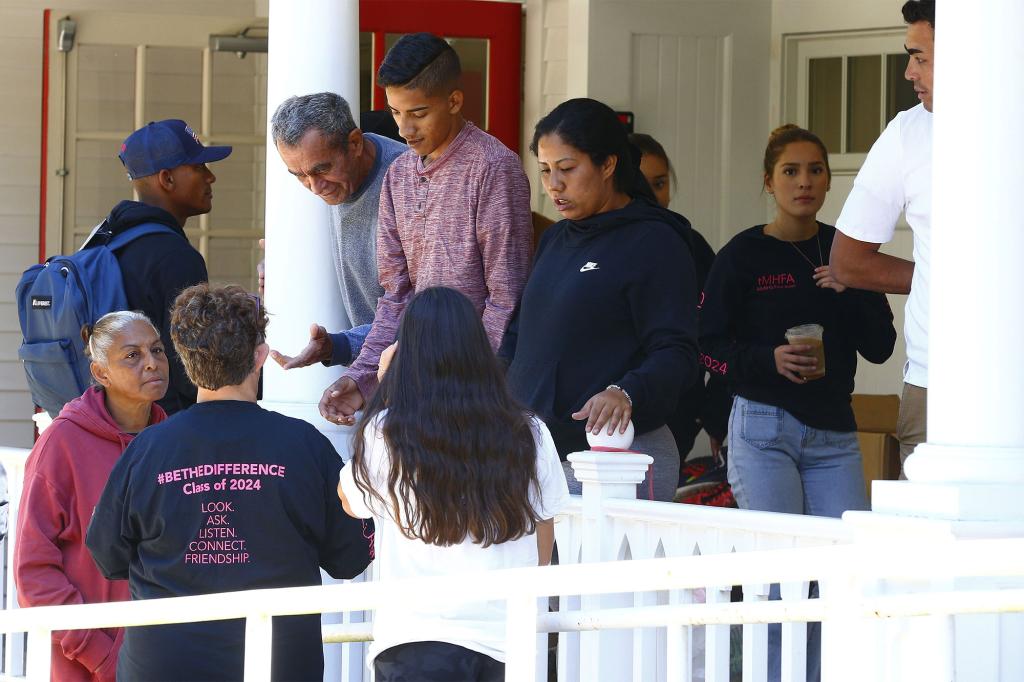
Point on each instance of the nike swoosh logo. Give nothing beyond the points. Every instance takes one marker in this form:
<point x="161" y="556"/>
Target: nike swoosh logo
<point x="589" y="266"/>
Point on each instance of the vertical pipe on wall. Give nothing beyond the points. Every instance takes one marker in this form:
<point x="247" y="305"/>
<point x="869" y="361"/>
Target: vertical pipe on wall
<point x="205" y="116"/>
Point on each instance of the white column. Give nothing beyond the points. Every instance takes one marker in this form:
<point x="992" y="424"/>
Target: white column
<point x="967" y="481"/>
<point x="606" y="655"/>
<point x="314" y="47"/>
<point x="972" y="467"/>
<point x="976" y="367"/>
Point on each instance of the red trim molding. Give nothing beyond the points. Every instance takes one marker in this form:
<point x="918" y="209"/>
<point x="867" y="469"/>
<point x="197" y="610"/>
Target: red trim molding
<point x="498" y="22"/>
<point x="44" y="135"/>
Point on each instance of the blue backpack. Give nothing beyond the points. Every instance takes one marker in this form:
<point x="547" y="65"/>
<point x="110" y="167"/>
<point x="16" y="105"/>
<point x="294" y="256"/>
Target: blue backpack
<point x="56" y="299"/>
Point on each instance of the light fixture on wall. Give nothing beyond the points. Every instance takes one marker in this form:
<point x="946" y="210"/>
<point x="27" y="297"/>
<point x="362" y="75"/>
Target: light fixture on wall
<point x="241" y="43"/>
<point x="66" y="28"/>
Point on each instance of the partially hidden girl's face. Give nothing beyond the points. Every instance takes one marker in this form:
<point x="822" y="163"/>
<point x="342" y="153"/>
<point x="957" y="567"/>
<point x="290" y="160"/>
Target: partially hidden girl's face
<point x="800" y="180"/>
<point x="655" y="169"/>
<point x="578" y="187"/>
<point x="136" y="368"/>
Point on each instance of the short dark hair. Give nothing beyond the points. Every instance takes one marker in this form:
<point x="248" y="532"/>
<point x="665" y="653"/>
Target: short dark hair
<point x="421" y="61"/>
<point x="593" y="128"/>
<point x="919" y="10"/>
<point x="648" y="146"/>
<point x="216" y="331"/>
<point x="324" y="111"/>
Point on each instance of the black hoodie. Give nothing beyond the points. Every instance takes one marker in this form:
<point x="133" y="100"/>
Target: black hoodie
<point x="611" y="300"/>
<point x="758" y="288"/>
<point x="155" y="269"/>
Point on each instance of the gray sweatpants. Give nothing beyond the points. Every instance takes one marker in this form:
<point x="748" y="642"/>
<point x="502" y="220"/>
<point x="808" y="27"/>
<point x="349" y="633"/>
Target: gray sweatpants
<point x="660" y="445"/>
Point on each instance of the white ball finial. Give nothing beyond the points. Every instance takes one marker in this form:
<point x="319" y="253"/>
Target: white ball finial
<point x="616" y="441"/>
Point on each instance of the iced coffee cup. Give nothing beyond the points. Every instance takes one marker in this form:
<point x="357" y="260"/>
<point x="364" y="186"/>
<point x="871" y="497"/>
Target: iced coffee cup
<point x="810" y="335"/>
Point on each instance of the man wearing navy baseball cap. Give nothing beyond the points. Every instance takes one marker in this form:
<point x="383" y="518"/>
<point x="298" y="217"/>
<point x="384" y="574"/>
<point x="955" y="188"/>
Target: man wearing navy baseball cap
<point x="166" y="164"/>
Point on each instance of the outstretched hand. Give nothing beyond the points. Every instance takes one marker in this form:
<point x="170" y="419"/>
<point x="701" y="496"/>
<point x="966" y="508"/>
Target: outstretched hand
<point x="610" y="407"/>
<point x="318" y="349"/>
<point x="341" y="401"/>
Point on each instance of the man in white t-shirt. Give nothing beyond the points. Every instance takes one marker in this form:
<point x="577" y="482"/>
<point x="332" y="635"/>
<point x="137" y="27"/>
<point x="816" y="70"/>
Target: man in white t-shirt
<point x="897" y="178"/>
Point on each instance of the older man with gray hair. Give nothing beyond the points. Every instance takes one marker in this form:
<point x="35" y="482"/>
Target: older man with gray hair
<point x="321" y="146"/>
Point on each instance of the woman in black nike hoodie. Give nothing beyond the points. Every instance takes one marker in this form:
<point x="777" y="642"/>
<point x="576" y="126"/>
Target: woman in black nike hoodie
<point x="606" y="330"/>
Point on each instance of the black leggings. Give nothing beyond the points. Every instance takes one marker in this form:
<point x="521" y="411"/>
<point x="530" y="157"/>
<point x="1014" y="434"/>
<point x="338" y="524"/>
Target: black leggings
<point x="435" y="662"/>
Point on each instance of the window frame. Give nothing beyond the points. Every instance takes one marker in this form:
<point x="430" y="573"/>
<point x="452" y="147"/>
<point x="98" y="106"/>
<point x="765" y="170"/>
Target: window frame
<point x="800" y="49"/>
<point x="138" y="33"/>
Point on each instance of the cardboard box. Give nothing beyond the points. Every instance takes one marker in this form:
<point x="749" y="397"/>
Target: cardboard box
<point x="876" y="417"/>
<point x="881" y="455"/>
<point x="876" y="413"/>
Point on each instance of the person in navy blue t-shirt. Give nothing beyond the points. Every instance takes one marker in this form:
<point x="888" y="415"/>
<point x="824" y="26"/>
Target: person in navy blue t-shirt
<point x="225" y="496"/>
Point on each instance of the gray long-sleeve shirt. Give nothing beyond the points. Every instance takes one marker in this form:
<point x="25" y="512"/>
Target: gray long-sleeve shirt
<point x="354" y="237"/>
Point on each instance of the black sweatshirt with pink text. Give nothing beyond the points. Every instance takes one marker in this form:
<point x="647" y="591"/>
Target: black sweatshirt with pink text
<point x="761" y="286"/>
<point x="224" y="496"/>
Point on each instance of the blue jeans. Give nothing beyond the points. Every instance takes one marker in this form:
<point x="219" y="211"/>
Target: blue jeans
<point x="779" y="464"/>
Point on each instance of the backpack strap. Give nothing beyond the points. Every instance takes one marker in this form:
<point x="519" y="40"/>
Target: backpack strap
<point x="132" y="233"/>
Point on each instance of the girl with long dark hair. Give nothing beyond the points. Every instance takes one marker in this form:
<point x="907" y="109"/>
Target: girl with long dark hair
<point x="606" y="331"/>
<point x="458" y="478"/>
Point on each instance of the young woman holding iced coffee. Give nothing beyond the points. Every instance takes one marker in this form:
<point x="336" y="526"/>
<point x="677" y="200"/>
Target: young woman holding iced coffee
<point x="793" y="446"/>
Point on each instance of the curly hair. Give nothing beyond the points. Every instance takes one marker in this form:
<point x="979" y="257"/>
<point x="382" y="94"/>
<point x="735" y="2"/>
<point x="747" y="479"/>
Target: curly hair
<point x="216" y="331"/>
<point x="462" y="452"/>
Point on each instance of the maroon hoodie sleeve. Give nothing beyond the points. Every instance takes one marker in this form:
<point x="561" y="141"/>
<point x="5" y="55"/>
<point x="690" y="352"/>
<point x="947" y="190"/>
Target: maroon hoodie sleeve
<point x="38" y="562"/>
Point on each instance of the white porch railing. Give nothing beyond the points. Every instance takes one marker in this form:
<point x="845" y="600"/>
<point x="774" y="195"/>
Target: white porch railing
<point x="638" y="581"/>
<point x="521" y="588"/>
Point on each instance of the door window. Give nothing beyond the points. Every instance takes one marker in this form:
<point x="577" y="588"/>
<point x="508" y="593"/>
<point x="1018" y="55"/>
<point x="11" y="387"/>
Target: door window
<point x="126" y="71"/>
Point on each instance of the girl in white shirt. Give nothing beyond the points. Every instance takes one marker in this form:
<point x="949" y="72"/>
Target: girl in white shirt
<point x="458" y="479"/>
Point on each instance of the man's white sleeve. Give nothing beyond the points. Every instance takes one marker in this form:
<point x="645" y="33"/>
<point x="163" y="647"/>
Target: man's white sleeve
<point x="877" y="199"/>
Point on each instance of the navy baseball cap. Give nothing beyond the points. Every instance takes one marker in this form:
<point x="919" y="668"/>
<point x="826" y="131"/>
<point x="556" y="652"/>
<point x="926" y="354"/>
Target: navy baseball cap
<point x="163" y="145"/>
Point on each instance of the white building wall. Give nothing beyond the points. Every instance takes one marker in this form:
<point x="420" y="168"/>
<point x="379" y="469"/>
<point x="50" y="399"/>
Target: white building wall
<point x="21" y="31"/>
<point x="546" y="82"/>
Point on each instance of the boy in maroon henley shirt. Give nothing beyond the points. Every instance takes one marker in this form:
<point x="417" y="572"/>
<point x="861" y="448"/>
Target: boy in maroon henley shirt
<point x="454" y="211"/>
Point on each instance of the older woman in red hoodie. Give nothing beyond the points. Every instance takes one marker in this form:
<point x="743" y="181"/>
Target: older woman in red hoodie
<point x="64" y="477"/>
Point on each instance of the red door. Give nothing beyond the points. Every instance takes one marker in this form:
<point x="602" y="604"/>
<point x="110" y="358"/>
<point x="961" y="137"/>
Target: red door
<point x="486" y="35"/>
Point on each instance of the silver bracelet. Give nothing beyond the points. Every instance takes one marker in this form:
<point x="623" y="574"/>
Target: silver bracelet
<point x="620" y="388"/>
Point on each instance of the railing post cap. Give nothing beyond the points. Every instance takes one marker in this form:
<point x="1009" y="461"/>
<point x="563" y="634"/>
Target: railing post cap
<point x="609" y="467"/>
